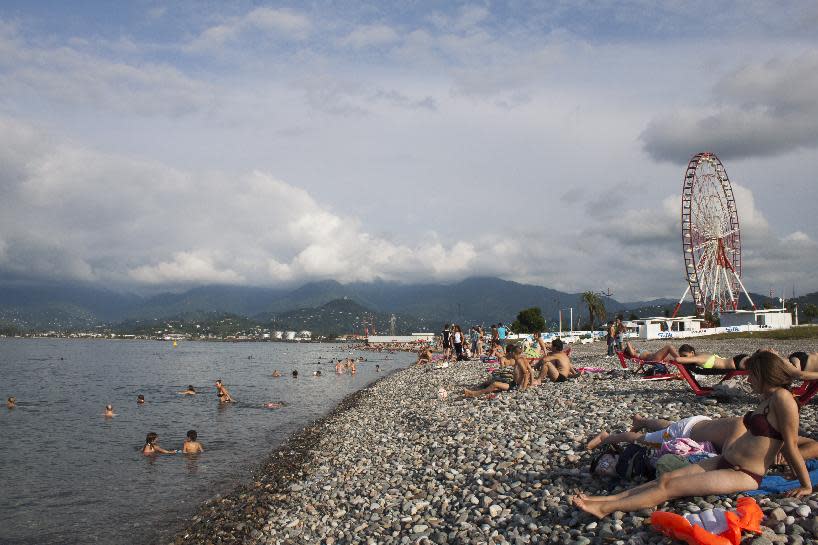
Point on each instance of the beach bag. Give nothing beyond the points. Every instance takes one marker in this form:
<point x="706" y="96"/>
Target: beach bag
<point x="635" y="463"/>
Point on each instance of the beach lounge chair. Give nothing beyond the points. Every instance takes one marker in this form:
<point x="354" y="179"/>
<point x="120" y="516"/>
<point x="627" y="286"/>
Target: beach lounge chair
<point x="805" y="392"/>
<point x="689" y="372"/>
<point x="650" y="370"/>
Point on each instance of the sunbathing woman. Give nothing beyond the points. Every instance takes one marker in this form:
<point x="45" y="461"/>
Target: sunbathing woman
<point x="666" y="353"/>
<point x="711" y="361"/>
<point x="506" y="378"/>
<point x="804" y="361"/>
<point x="556" y="367"/>
<point x="773" y="426"/>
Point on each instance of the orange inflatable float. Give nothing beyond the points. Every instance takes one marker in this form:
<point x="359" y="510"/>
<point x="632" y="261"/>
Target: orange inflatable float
<point x="712" y="526"/>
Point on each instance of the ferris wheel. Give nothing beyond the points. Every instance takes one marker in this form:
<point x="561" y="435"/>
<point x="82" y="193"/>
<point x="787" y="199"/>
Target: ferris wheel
<point x="711" y="238"/>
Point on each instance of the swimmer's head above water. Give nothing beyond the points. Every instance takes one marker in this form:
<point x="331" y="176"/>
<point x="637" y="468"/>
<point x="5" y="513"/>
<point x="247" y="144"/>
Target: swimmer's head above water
<point x="11" y="402"/>
<point x="140" y="399"/>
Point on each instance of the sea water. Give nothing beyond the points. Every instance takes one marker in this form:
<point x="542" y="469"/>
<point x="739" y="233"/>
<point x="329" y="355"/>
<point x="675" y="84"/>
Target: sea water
<point x="70" y="475"/>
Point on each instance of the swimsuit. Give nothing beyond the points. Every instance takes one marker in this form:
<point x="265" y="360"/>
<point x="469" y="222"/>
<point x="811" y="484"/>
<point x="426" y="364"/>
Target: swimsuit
<point x="711" y="361"/>
<point x="758" y="425"/>
<point x="802" y="358"/>
<point x="726" y="464"/>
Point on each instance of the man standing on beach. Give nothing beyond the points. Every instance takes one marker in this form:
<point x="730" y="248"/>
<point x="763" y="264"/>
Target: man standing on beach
<point x="501" y="334"/>
<point x="620" y="333"/>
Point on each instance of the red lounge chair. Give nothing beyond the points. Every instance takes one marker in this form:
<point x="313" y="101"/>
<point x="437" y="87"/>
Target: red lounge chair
<point x="623" y="361"/>
<point x="688" y="373"/>
<point x="805" y="392"/>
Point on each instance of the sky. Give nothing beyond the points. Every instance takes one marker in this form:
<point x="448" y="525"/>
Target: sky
<point x="150" y="146"/>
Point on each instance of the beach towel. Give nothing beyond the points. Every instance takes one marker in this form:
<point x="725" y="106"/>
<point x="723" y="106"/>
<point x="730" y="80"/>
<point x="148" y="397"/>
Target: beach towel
<point x="776" y="484"/>
<point x="684" y="446"/>
<point x="591" y="369"/>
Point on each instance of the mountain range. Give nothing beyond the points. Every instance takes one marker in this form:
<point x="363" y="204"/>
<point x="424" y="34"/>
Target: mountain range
<point x="480" y="300"/>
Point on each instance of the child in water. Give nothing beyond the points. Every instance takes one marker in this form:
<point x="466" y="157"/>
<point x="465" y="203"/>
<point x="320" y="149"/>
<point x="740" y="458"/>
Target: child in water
<point x="140" y="399"/>
<point x="11" y="402"/>
<point x="152" y="448"/>
<point x="109" y="411"/>
<point x="192" y="446"/>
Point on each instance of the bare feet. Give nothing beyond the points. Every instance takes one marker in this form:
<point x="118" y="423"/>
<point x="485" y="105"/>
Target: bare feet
<point x="596" y="441"/>
<point x="589" y="507"/>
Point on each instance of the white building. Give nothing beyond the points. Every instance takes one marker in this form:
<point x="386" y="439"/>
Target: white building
<point x="667" y="328"/>
<point x="289" y="336"/>
<point x="776" y="318"/>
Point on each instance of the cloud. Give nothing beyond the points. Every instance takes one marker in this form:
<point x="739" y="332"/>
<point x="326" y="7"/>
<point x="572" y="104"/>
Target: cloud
<point x="71" y="76"/>
<point x="105" y="218"/>
<point x="759" y="110"/>
<point x="369" y="36"/>
<point x="271" y="22"/>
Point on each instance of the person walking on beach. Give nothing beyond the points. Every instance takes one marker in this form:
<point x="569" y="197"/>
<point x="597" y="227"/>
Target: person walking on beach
<point x="474" y="335"/>
<point x="494" y="338"/>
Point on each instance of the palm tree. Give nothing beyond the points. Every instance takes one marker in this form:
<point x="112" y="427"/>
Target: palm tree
<point x="596" y="308"/>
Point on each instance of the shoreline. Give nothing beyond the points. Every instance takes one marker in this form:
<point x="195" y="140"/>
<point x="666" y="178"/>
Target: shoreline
<point x="269" y="482"/>
<point x="393" y="463"/>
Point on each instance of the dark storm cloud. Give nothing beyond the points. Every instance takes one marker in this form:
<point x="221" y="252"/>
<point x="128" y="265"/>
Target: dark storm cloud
<point x="760" y="110"/>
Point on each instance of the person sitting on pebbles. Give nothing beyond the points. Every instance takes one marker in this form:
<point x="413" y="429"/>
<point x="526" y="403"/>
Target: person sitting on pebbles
<point x="556" y="367"/>
<point x="770" y="429"/>
<point x="518" y="377"/>
<point x="666" y="353"/>
<point x="424" y="356"/>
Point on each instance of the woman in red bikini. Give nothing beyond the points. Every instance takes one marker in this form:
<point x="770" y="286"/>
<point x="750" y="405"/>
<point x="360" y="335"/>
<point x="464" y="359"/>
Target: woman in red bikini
<point x="770" y="429"/>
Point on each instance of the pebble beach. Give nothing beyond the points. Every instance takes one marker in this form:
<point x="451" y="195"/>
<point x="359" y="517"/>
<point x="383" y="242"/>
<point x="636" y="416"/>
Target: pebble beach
<point x="396" y="463"/>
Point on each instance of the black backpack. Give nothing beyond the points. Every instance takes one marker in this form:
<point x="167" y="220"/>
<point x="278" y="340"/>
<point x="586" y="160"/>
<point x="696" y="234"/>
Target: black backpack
<point x="635" y="463"/>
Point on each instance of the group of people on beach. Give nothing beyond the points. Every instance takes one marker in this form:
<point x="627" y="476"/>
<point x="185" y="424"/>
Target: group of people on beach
<point x="745" y="447"/>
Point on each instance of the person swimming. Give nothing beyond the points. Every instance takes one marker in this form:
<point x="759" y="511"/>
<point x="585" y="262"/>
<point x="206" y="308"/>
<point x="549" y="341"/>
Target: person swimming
<point x="152" y="448"/>
<point x="140" y="399"/>
<point x="190" y="391"/>
<point x="109" y="411"/>
<point x="276" y="373"/>
<point x="295" y="373"/>
<point x="377" y="368"/>
<point x="317" y="373"/>
<point x="11" y="402"/>
<point x="273" y="405"/>
<point x="192" y="446"/>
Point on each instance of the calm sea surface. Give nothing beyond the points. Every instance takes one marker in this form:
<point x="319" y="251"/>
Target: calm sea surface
<point x="69" y="475"/>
